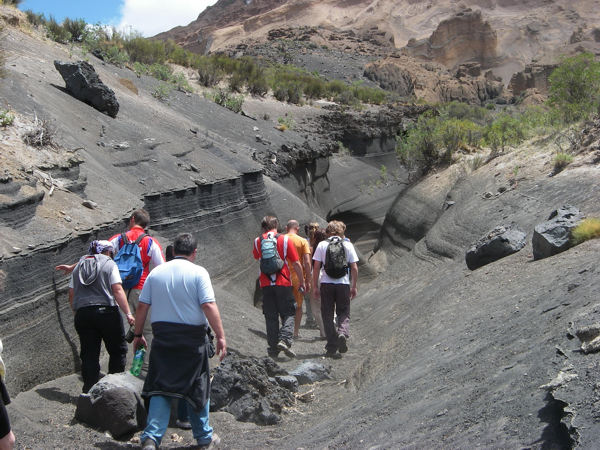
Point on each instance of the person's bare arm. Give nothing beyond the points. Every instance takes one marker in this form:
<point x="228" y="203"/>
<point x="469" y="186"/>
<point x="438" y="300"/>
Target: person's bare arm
<point x="298" y="268"/>
<point x="353" y="276"/>
<point x="315" y="284"/>
<point x="66" y="268"/>
<point x="121" y="300"/>
<point x="141" y="313"/>
<point x="211" y="311"/>
<point x="71" y="297"/>
<point x="307" y="271"/>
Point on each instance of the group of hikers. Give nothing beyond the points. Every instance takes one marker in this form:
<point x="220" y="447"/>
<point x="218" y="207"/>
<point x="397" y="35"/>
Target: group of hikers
<point x="169" y="304"/>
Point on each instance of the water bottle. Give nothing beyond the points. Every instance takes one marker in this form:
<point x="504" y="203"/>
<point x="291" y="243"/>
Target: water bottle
<point x="138" y="361"/>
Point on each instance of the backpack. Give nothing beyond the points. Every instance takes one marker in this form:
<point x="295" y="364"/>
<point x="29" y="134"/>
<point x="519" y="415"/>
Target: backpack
<point x="129" y="261"/>
<point x="336" y="263"/>
<point x="270" y="261"/>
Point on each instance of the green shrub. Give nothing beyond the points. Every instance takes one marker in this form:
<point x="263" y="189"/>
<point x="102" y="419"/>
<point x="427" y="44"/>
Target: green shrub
<point x="586" y="230"/>
<point x="162" y="91"/>
<point x="6" y="118"/>
<point x="287" y="122"/>
<point x="161" y="72"/>
<point x="505" y="130"/>
<point x="236" y="82"/>
<point x="209" y="74"/>
<point x="231" y="102"/>
<point x="575" y="87"/>
<point x="181" y="83"/>
<point x="57" y="32"/>
<point x="561" y="160"/>
<point x="280" y="93"/>
<point x="76" y="28"/>
<point x="418" y="149"/>
<point x="257" y="83"/>
<point x="147" y="51"/>
<point x="35" y="19"/>
<point x="113" y="54"/>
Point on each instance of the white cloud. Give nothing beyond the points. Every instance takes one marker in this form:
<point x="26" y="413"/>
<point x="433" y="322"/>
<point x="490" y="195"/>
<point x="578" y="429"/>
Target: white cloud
<point x="151" y="17"/>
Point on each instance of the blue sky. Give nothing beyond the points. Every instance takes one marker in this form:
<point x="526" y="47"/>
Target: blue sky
<point x="149" y="17"/>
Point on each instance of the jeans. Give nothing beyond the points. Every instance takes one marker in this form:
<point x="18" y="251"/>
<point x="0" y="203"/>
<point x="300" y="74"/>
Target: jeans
<point x="159" y="414"/>
<point x="95" y="324"/>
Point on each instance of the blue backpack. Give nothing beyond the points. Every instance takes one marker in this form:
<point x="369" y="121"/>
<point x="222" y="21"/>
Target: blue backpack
<point x="129" y="261"/>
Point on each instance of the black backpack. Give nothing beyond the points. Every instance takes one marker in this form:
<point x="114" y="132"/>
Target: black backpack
<point x="336" y="263"/>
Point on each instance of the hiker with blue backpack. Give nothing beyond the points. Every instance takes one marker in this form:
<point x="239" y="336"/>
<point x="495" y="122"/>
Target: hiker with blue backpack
<point x="335" y="260"/>
<point x="273" y="251"/>
<point x="136" y="254"/>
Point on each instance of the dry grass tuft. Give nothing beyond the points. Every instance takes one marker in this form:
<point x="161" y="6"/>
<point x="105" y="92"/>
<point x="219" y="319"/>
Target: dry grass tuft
<point x="129" y="85"/>
<point x="586" y="230"/>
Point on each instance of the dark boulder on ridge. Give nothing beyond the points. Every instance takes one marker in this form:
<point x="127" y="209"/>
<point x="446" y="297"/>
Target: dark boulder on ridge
<point x="554" y="235"/>
<point x="498" y="243"/>
<point x="84" y="84"/>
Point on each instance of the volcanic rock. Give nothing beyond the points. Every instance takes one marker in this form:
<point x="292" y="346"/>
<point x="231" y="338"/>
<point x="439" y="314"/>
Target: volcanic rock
<point x="533" y="76"/>
<point x="554" y="235"/>
<point x="113" y="404"/>
<point x="310" y="372"/>
<point x="244" y="388"/>
<point x="498" y="243"/>
<point x="83" y="83"/>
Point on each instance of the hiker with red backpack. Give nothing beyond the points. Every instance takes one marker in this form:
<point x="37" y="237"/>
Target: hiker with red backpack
<point x="272" y="249"/>
<point x="337" y="258"/>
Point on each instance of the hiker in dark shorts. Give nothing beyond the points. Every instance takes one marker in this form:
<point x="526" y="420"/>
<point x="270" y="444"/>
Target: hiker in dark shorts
<point x="335" y="291"/>
<point x="278" y="297"/>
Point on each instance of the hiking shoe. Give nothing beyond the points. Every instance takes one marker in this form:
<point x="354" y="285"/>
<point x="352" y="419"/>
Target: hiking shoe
<point x="341" y="342"/>
<point x="149" y="444"/>
<point x="332" y="354"/>
<point x="214" y="442"/>
<point x="183" y="424"/>
<point x="285" y="349"/>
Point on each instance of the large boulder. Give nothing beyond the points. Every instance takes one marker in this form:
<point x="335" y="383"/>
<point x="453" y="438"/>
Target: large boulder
<point x="498" y="243"/>
<point x="246" y="388"/>
<point x="554" y="235"/>
<point x="84" y="84"/>
<point x="113" y="404"/>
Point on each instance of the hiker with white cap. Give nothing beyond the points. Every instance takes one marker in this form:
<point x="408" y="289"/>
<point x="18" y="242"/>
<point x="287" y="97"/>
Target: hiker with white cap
<point x="95" y="295"/>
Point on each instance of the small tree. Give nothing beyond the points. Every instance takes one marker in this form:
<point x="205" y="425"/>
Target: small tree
<point x="575" y="87"/>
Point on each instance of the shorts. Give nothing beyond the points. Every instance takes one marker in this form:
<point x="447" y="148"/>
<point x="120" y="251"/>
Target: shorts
<point x="4" y="400"/>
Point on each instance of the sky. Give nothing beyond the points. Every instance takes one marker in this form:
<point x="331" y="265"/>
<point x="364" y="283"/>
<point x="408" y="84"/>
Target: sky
<point x="149" y="17"/>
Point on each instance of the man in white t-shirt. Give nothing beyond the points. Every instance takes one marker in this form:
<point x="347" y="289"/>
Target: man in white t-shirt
<point x="335" y="293"/>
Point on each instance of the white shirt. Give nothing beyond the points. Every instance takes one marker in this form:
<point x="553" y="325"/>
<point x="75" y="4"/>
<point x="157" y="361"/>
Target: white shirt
<point x="320" y="253"/>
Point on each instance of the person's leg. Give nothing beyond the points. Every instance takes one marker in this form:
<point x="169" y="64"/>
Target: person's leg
<point x="271" y="319"/>
<point x="315" y="303"/>
<point x="8" y="441"/>
<point x="286" y="307"/>
<point x="201" y="429"/>
<point x="327" y="311"/>
<point x="159" y="413"/>
<point x="342" y="308"/>
<point x="183" y="414"/>
<point x="90" y="340"/>
<point x="7" y="438"/>
<point x="133" y="298"/>
<point x="298" y="298"/>
<point x="113" y="335"/>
